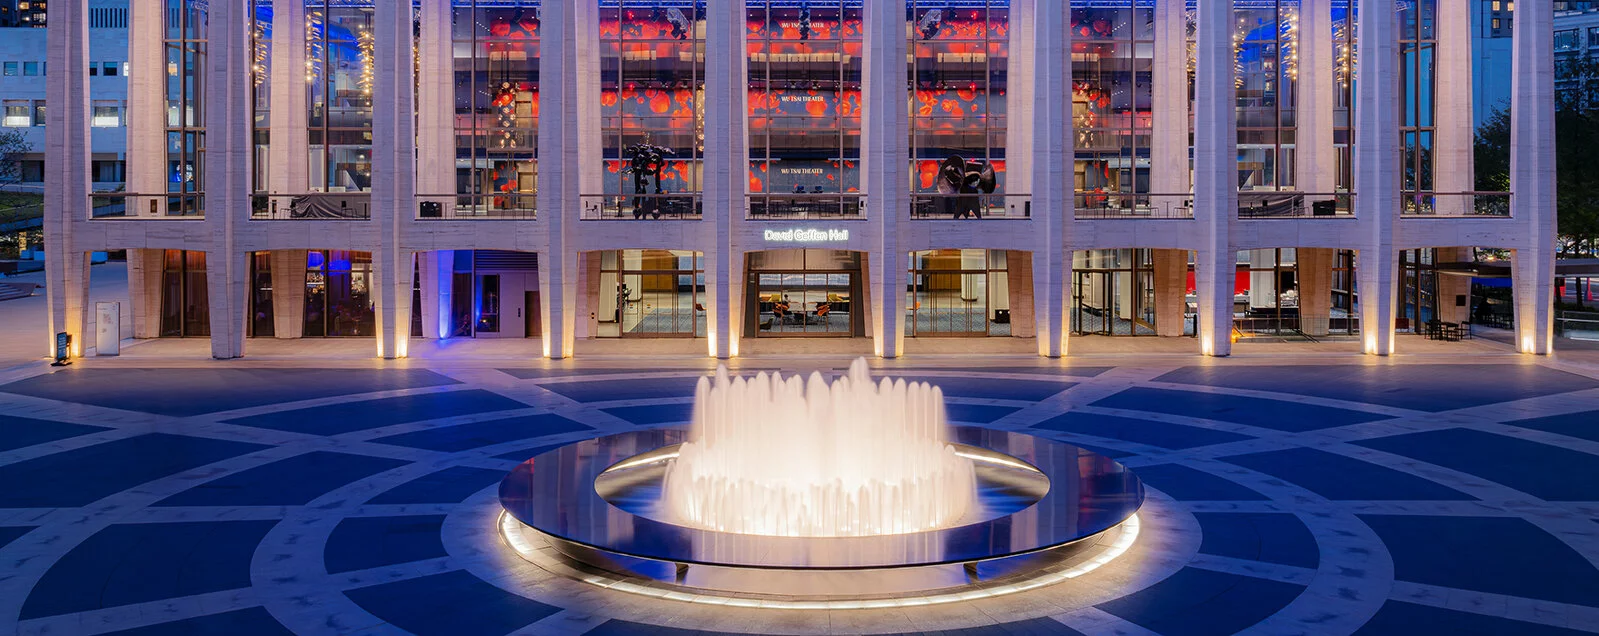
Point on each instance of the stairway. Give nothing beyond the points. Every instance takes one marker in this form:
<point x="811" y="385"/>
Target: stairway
<point x="13" y="291"/>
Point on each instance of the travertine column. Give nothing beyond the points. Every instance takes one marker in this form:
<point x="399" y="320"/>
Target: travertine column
<point x="66" y="172"/>
<point x="1454" y="141"/>
<point x="1451" y="289"/>
<point x="146" y="154"/>
<point x="393" y="172"/>
<point x="1169" y="172"/>
<point x="1019" y="281"/>
<point x="288" y="293"/>
<point x="1315" y="157"/>
<point x="1171" y="292"/>
<point x="144" y="291"/>
<point x="1315" y="289"/>
<point x="1532" y="176"/>
<point x="227" y="171"/>
<point x="559" y="170"/>
<point x="726" y="167"/>
<point x="1377" y="171"/>
<point x="886" y="155"/>
<point x="1215" y="175"/>
<point x="1051" y="164"/>
<point x="289" y="171"/>
<point x="1019" y="101"/>
<point x="435" y="157"/>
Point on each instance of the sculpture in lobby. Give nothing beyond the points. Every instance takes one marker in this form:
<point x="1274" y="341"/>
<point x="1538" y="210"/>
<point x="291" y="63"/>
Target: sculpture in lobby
<point x="958" y="176"/>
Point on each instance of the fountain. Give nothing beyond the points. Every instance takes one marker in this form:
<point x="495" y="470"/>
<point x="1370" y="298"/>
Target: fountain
<point x="800" y="493"/>
<point x="802" y="458"/>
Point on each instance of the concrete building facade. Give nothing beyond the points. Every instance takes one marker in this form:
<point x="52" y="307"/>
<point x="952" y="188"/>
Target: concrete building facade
<point x="729" y="170"/>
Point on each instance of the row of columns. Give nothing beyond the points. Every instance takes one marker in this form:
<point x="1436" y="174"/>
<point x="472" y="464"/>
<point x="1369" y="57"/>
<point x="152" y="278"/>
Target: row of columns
<point x="414" y="155"/>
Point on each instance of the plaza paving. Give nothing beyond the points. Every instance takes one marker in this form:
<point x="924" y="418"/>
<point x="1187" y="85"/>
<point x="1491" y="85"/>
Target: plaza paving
<point x="1431" y="493"/>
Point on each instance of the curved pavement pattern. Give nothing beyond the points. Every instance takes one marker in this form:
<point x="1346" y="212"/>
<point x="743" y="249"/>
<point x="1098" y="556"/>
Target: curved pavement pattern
<point x="1328" y="499"/>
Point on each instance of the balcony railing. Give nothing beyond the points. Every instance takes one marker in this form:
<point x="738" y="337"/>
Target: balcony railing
<point x="321" y="206"/>
<point x="126" y="205"/>
<point x="1292" y="323"/>
<point x="971" y="206"/>
<point x="1457" y="204"/>
<point x="642" y="206"/>
<point x="1117" y="205"/>
<point x="788" y="207"/>
<point x="516" y="205"/>
<point x="1295" y="204"/>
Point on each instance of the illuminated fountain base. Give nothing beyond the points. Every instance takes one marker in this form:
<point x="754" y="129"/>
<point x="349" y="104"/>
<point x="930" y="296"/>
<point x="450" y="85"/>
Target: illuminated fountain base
<point x="1045" y="512"/>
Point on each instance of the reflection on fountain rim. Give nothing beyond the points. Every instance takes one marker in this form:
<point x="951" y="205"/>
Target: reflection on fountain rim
<point x="779" y="456"/>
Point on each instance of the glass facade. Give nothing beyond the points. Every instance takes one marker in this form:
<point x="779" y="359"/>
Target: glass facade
<point x="185" y="59"/>
<point x="338" y="296"/>
<point x="652" y="86"/>
<point x="651" y="293"/>
<point x="958" y="70"/>
<point x="1418" y="47"/>
<point x="804" y="107"/>
<point x="1266" y="42"/>
<point x="1112" y="97"/>
<point x="959" y="293"/>
<point x="339" y="67"/>
<point x="496" y="66"/>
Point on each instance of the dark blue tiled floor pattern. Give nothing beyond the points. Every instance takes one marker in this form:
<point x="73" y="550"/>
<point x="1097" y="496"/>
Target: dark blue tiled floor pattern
<point x="1543" y="471"/>
<point x="1161" y="434"/>
<point x="1272" y="537"/>
<point x="81" y="476"/>
<point x="604" y="390"/>
<point x="135" y="563"/>
<point x="361" y="543"/>
<point x="994" y="388"/>
<point x="247" y="622"/>
<point x="1420" y="387"/>
<point x="1584" y="425"/>
<point x="1397" y="618"/>
<point x="18" y="432"/>
<point x="1500" y="555"/>
<point x="287" y="482"/>
<point x="449" y="604"/>
<point x="1278" y="415"/>
<point x="1343" y="478"/>
<point x="1195" y="602"/>
<point x="187" y="392"/>
<point x="346" y="417"/>
<point x="12" y="533"/>
<point x="460" y="437"/>
<point x="451" y="485"/>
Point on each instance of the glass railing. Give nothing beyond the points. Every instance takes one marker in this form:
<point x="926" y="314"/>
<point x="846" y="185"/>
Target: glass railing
<point x="515" y="205"/>
<point x="1292" y="323"/>
<point x="128" y="205"/>
<point x="329" y="206"/>
<point x="642" y="206"/>
<point x="1115" y="205"/>
<point x="1457" y="204"/>
<point x="806" y="206"/>
<point x="971" y="206"/>
<point x="1283" y="204"/>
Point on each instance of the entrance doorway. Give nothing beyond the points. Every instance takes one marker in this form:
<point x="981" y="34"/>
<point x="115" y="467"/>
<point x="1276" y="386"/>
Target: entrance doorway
<point x="803" y="293"/>
<point x="533" y="323"/>
<point x="959" y="293"/>
<point x="1113" y="293"/>
<point x="651" y="294"/>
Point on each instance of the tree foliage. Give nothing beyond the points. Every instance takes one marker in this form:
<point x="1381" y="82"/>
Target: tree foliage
<point x="1576" y="155"/>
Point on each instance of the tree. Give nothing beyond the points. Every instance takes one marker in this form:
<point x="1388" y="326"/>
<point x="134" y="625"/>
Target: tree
<point x="13" y="146"/>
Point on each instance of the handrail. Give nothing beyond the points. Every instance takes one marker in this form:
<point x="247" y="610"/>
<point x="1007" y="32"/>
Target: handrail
<point x="138" y="205"/>
<point x="319" y="206"/>
<point x="671" y="206"/>
<point x="1456" y="204"/>
<point x="1133" y="205"/>
<point x="928" y="205"/>
<point x="505" y="205"/>
<point x="808" y="205"/>
<point x="1281" y="204"/>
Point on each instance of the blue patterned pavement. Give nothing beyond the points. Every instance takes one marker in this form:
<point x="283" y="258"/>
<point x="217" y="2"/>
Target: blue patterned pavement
<point x="1399" y="498"/>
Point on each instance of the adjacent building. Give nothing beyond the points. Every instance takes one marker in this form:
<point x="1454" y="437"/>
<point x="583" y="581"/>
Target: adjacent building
<point x="734" y="170"/>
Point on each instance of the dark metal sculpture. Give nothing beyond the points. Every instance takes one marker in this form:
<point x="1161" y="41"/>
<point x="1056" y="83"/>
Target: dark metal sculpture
<point x="958" y="176"/>
<point x="646" y="161"/>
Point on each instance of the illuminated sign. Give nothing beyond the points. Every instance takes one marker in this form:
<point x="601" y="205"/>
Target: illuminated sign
<point x="806" y="236"/>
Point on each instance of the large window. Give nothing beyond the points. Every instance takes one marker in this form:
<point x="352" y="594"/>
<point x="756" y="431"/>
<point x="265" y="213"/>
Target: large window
<point x="185" y="308"/>
<point x="338" y="294"/>
<point x="652" y="83"/>
<point x="496" y="103"/>
<point x="185" y="51"/>
<point x="261" y="91"/>
<point x="1112" y="97"/>
<point x="652" y="294"/>
<point x="959" y="293"/>
<point x="339" y="66"/>
<point x="1266" y="46"/>
<point x="804" y="106"/>
<point x="958" y="72"/>
<point x="1418" y="47"/>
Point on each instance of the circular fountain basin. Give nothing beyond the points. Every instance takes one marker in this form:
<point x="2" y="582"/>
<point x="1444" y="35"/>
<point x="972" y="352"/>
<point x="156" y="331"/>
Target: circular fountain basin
<point x="1039" y="496"/>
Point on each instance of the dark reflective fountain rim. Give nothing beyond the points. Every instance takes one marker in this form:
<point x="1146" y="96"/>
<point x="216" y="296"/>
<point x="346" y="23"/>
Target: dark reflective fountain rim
<point x="554" y="494"/>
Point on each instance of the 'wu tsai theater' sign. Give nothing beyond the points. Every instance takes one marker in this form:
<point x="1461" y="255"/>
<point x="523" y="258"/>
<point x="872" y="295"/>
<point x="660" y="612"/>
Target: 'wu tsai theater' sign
<point x="806" y="236"/>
